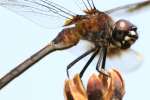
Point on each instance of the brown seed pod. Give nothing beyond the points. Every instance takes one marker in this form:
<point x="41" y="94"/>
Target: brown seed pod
<point x="100" y="87"/>
<point x="74" y="89"/>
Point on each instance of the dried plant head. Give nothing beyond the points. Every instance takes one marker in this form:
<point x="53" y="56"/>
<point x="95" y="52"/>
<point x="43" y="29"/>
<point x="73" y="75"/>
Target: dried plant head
<point x="74" y="89"/>
<point x="99" y="87"/>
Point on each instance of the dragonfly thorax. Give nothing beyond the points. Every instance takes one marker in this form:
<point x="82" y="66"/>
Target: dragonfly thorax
<point x="96" y="28"/>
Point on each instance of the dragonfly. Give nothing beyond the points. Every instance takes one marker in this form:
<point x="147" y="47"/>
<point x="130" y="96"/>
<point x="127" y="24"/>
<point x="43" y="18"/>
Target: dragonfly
<point x="109" y="37"/>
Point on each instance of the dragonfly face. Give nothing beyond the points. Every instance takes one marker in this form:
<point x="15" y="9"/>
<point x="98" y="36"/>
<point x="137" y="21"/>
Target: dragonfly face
<point x="124" y="34"/>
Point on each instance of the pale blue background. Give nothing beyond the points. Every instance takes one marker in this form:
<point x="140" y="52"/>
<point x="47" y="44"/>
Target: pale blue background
<point x="20" y="38"/>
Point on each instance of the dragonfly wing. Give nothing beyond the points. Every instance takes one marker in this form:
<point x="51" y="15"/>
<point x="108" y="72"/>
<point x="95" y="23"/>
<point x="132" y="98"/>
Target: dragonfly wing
<point x="129" y="8"/>
<point x="82" y="47"/>
<point x="42" y="12"/>
<point x="127" y="61"/>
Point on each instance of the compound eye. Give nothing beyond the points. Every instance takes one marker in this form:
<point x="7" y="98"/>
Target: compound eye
<point x="124" y="25"/>
<point x="125" y="33"/>
<point x="120" y="35"/>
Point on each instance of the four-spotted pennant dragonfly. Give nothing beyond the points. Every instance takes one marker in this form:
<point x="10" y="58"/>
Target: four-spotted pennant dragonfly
<point x="109" y="37"/>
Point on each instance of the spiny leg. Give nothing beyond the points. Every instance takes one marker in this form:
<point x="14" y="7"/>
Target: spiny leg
<point x="100" y="67"/>
<point x="104" y="57"/>
<point x="88" y="63"/>
<point x="78" y="59"/>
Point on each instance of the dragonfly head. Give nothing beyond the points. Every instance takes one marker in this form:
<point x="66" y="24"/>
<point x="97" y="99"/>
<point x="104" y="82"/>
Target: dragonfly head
<point x="124" y="34"/>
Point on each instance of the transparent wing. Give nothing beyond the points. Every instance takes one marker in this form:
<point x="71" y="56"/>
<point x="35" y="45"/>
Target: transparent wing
<point x="43" y="12"/>
<point x="127" y="61"/>
<point x="81" y="48"/>
<point x="130" y="8"/>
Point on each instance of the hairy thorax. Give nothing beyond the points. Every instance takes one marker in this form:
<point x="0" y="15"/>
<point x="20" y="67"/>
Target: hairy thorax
<point x="96" y="28"/>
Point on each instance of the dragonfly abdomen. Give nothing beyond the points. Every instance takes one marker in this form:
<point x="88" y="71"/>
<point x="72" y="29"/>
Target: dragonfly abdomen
<point x="68" y="36"/>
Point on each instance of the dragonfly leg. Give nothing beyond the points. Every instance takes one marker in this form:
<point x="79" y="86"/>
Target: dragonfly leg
<point x="100" y="67"/>
<point x="99" y="60"/>
<point x="89" y="61"/>
<point x="104" y="57"/>
<point x="78" y="59"/>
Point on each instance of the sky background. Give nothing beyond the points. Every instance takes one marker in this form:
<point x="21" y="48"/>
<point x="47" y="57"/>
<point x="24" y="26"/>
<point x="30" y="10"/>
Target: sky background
<point x="20" y="38"/>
